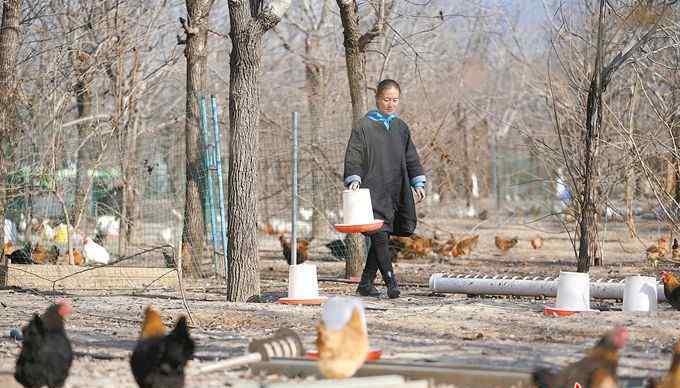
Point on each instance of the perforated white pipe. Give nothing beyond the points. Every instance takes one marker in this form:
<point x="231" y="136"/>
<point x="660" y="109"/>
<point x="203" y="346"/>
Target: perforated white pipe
<point x="523" y="286"/>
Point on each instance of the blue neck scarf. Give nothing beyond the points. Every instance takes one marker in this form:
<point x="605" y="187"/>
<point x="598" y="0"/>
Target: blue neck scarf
<point x="377" y="116"/>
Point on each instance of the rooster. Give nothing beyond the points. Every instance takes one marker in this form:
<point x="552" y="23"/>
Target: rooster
<point x="158" y="360"/>
<point x="672" y="378"/>
<point x="504" y="244"/>
<point x="596" y="369"/>
<point x="342" y="339"/>
<point x="671" y="288"/>
<point x="302" y="250"/>
<point x="46" y="355"/>
<point x="657" y="251"/>
<point x="537" y="242"/>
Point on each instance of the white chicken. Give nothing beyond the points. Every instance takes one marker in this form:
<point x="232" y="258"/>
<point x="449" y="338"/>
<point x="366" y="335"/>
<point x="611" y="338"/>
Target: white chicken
<point x="10" y="232"/>
<point x="95" y="253"/>
<point x="108" y="225"/>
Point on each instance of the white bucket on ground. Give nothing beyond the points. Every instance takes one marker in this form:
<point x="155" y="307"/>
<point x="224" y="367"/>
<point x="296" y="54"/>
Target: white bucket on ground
<point x="302" y="282"/>
<point x="573" y="291"/>
<point x="639" y="294"/>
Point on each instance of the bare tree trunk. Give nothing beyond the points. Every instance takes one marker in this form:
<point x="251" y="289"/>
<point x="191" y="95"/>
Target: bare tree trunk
<point x="588" y="244"/>
<point x="355" y="58"/>
<point x="196" y="53"/>
<point x="629" y="173"/>
<point x="314" y="78"/>
<point x="9" y="46"/>
<point x="83" y="155"/>
<point x="249" y="21"/>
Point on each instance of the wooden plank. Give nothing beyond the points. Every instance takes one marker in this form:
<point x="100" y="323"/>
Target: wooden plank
<point x="65" y="277"/>
<point x="441" y="373"/>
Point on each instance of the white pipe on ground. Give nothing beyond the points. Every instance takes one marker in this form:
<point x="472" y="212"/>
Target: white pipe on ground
<point x="523" y="286"/>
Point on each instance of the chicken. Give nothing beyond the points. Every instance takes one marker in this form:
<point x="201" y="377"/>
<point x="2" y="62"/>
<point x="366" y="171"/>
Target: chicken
<point x="342" y="338"/>
<point x="78" y="258"/>
<point x="158" y="360"/>
<point x="504" y="244"/>
<point x="675" y="250"/>
<point x="10" y="232"/>
<point x="537" y="242"/>
<point x="671" y="288"/>
<point x="18" y="255"/>
<point x="596" y="369"/>
<point x="302" y="250"/>
<point x="672" y="378"/>
<point x="43" y="255"/>
<point x="95" y="253"/>
<point x="107" y="226"/>
<point x="8" y="248"/>
<point x="465" y="246"/>
<point x="46" y="355"/>
<point x="411" y="247"/>
<point x="338" y="249"/>
<point x="657" y="251"/>
<point x="446" y="248"/>
<point x="153" y="325"/>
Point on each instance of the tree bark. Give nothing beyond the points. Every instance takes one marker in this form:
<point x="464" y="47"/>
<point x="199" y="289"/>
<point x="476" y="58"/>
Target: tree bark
<point x="84" y="153"/>
<point x="315" y="83"/>
<point x="355" y="58"/>
<point x="588" y="244"/>
<point x="196" y="53"/>
<point x="9" y="47"/>
<point x="249" y="21"/>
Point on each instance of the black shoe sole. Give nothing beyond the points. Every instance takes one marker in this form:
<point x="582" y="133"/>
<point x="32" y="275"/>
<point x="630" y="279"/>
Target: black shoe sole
<point x="364" y="292"/>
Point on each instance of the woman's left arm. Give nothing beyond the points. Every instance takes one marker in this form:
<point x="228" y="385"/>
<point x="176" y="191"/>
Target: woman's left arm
<point x="416" y="174"/>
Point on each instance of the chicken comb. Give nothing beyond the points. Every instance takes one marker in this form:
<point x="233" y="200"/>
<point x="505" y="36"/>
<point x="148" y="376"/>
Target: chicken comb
<point x="65" y="307"/>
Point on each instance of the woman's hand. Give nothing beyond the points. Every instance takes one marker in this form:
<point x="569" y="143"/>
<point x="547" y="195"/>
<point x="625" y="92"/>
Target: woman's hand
<point x="419" y="194"/>
<point x="354" y="186"/>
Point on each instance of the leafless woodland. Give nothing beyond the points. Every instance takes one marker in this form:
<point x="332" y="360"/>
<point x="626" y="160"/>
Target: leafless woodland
<point x="505" y="100"/>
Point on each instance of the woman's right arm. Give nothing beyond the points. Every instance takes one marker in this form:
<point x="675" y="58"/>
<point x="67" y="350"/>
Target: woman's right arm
<point x="354" y="157"/>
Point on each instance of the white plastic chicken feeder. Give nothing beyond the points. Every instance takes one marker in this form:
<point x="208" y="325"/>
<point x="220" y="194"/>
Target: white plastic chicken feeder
<point x="640" y="294"/>
<point x="303" y="286"/>
<point x="523" y="286"/>
<point x="573" y="293"/>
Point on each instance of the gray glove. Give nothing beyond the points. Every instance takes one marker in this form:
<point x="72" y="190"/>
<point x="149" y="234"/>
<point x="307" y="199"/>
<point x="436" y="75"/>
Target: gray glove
<point x="354" y="186"/>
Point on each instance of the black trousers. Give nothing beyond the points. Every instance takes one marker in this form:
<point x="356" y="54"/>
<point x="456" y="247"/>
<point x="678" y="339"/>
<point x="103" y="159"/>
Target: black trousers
<point x="379" y="255"/>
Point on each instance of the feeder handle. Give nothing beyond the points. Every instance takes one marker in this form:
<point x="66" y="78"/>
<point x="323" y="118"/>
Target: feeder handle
<point x="229" y="363"/>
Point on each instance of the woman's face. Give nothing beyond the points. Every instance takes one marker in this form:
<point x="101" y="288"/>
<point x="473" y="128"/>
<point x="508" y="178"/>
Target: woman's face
<point x="387" y="101"/>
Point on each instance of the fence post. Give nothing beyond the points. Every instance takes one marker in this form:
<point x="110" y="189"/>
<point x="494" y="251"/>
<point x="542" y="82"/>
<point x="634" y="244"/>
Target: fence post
<point x="207" y="157"/>
<point x="293" y="239"/>
<point x="218" y="161"/>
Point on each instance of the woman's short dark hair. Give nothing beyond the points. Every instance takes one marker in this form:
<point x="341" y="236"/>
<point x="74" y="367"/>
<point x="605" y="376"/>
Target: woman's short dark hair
<point x="387" y="84"/>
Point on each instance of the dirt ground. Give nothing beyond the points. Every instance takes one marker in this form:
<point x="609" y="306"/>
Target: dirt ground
<point x="494" y="331"/>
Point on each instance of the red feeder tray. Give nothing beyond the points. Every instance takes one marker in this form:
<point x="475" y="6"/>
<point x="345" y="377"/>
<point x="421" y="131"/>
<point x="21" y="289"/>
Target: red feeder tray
<point x="558" y="312"/>
<point x="373" y="355"/>
<point x="360" y="228"/>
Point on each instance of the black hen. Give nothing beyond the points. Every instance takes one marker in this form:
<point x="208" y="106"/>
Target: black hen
<point x="338" y="249"/>
<point x="159" y="362"/>
<point x="46" y="355"/>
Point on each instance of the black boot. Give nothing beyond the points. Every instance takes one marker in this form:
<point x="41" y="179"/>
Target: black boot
<point x="392" y="286"/>
<point x="366" y="287"/>
<point x="384" y="261"/>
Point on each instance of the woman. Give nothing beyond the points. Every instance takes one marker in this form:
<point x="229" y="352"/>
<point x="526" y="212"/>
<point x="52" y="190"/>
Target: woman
<point x="381" y="156"/>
